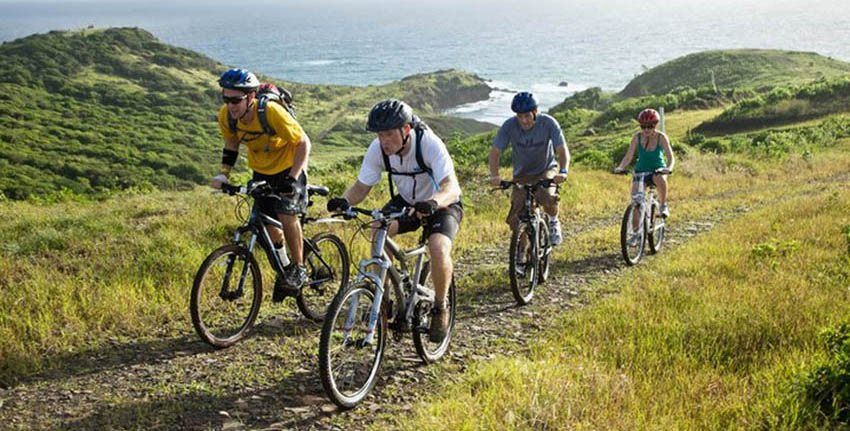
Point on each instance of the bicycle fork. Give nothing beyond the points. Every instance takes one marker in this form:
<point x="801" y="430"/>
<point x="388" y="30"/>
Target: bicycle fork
<point x="231" y="295"/>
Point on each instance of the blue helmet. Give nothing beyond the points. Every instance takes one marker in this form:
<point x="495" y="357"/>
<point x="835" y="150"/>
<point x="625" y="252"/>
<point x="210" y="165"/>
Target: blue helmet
<point x="523" y="102"/>
<point x="239" y="79"/>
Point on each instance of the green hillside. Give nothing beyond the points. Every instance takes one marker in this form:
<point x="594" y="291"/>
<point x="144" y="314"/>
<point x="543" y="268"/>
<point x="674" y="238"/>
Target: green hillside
<point x="736" y="68"/>
<point x="93" y="111"/>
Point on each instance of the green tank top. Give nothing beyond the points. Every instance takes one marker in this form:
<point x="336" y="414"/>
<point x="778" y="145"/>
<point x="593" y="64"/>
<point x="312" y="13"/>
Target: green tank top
<point x="649" y="160"/>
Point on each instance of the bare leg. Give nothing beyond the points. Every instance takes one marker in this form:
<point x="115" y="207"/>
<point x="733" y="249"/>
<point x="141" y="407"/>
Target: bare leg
<point x="661" y="186"/>
<point x="292" y="231"/>
<point x="440" y="248"/>
<point x="636" y="215"/>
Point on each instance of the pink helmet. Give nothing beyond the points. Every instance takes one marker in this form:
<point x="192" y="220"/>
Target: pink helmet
<point x="649" y="117"/>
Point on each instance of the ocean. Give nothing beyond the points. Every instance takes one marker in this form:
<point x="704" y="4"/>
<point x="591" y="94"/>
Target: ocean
<point x="552" y="48"/>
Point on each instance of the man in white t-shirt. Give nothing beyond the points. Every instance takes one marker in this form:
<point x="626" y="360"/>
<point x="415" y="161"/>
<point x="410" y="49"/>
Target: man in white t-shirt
<point x="423" y="172"/>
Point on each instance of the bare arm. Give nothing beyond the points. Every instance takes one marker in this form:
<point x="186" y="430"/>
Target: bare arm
<point x="356" y="193"/>
<point x="231" y="144"/>
<point x="668" y="153"/>
<point x="630" y="153"/>
<point x="493" y="160"/>
<point x="563" y="155"/>
<point x="302" y="154"/>
<point x="449" y="192"/>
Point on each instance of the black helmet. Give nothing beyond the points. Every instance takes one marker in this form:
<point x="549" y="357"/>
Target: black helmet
<point x="523" y="102"/>
<point x="389" y="114"/>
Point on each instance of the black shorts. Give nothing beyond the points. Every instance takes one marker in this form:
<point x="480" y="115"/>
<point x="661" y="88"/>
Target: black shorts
<point x="445" y="221"/>
<point x="291" y="204"/>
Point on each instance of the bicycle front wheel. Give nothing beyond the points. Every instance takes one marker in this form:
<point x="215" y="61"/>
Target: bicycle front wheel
<point x="632" y="236"/>
<point x="327" y="262"/>
<point x="226" y="295"/>
<point x="523" y="264"/>
<point x="428" y="351"/>
<point x="656" y="229"/>
<point x="349" y="355"/>
<point x="544" y="251"/>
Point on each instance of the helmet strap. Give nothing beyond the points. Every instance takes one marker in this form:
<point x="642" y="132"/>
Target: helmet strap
<point x="404" y="141"/>
<point x="248" y="108"/>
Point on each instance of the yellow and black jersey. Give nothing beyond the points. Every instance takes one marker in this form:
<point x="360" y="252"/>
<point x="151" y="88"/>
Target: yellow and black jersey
<point x="266" y="154"/>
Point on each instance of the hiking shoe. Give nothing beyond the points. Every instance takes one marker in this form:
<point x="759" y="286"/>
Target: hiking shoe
<point x="665" y="212"/>
<point x="439" y="324"/>
<point x="296" y="276"/>
<point x="520" y="268"/>
<point x="555" y="236"/>
<point x="634" y="239"/>
<point x="282" y="290"/>
<point x="285" y="286"/>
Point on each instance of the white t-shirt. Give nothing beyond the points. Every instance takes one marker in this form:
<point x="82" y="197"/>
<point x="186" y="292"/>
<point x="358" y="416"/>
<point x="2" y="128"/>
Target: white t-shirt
<point x="412" y="188"/>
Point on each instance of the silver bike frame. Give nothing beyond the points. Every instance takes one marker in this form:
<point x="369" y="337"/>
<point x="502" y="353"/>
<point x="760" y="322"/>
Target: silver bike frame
<point x="381" y="243"/>
<point x="646" y="202"/>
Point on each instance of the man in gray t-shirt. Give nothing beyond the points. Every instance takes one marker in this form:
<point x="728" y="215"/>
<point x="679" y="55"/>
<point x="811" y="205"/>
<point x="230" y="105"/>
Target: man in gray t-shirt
<point x="539" y="151"/>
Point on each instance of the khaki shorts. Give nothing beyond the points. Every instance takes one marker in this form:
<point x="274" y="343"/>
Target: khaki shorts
<point x="547" y="198"/>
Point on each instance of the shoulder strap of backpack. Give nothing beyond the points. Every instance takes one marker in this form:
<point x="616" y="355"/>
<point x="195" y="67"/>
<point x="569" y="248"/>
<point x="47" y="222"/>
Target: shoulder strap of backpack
<point x="420" y="132"/>
<point x="389" y="172"/>
<point x="262" y="104"/>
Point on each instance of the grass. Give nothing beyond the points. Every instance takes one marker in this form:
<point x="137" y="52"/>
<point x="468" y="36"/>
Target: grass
<point x="719" y="344"/>
<point x="79" y="274"/>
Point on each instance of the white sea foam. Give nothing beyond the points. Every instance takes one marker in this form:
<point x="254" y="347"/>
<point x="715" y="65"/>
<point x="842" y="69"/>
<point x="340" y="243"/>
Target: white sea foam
<point x="319" y="62"/>
<point x="497" y="108"/>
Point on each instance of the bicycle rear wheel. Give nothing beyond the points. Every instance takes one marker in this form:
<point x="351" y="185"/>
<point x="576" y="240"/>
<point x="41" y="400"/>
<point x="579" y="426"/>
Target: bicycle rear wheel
<point x="656" y="228"/>
<point x="523" y="264"/>
<point x="226" y="295"/>
<point x="428" y="351"/>
<point x="348" y="364"/>
<point x="632" y="242"/>
<point x="327" y="262"/>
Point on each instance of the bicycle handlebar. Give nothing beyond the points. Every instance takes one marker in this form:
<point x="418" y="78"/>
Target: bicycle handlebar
<point x="544" y="183"/>
<point x="663" y="171"/>
<point x="376" y="214"/>
<point x="254" y="189"/>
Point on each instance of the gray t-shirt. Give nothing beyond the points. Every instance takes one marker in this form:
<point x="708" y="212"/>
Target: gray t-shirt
<point x="533" y="150"/>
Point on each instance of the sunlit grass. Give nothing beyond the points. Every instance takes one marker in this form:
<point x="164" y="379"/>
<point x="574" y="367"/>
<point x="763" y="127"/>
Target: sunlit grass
<point x="710" y="336"/>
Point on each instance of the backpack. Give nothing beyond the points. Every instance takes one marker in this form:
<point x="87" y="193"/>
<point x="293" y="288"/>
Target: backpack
<point x="265" y="93"/>
<point x="419" y="127"/>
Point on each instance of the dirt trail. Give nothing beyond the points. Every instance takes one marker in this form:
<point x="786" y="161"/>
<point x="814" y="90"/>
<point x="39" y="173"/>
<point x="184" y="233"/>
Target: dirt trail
<point x="270" y="381"/>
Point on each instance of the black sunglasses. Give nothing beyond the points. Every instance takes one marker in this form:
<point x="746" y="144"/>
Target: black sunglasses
<point x="647" y="126"/>
<point x="233" y="99"/>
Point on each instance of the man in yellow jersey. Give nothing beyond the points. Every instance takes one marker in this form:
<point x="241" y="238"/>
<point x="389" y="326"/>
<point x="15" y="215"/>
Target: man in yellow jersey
<point x="277" y="150"/>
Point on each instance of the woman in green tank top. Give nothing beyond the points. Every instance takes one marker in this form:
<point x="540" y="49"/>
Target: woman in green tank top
<point x="650" y="144"/>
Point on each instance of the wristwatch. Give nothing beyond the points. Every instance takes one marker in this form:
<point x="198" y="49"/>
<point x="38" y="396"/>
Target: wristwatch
<point x="563" y="171"/>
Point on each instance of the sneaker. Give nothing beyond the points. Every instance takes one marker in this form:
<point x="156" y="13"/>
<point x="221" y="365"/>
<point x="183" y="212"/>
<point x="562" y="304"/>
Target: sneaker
<point x="555" y="236"/>
<point x="281" y="290"/>
<point x="634" y="239"/>
<point x="665" y="212"/>
<point x="439" y="324"/>
<point x="520" y="268"/>
<point x="296" y="277"/>
<point x="283" y="286"/>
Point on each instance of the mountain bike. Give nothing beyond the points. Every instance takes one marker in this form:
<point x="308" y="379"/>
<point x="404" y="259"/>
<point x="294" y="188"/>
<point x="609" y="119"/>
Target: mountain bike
<point x="528" y="261"/>
<point x="642" y="222"/>
<point x="351" y="347"/>
<point x="227" y="290"/>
